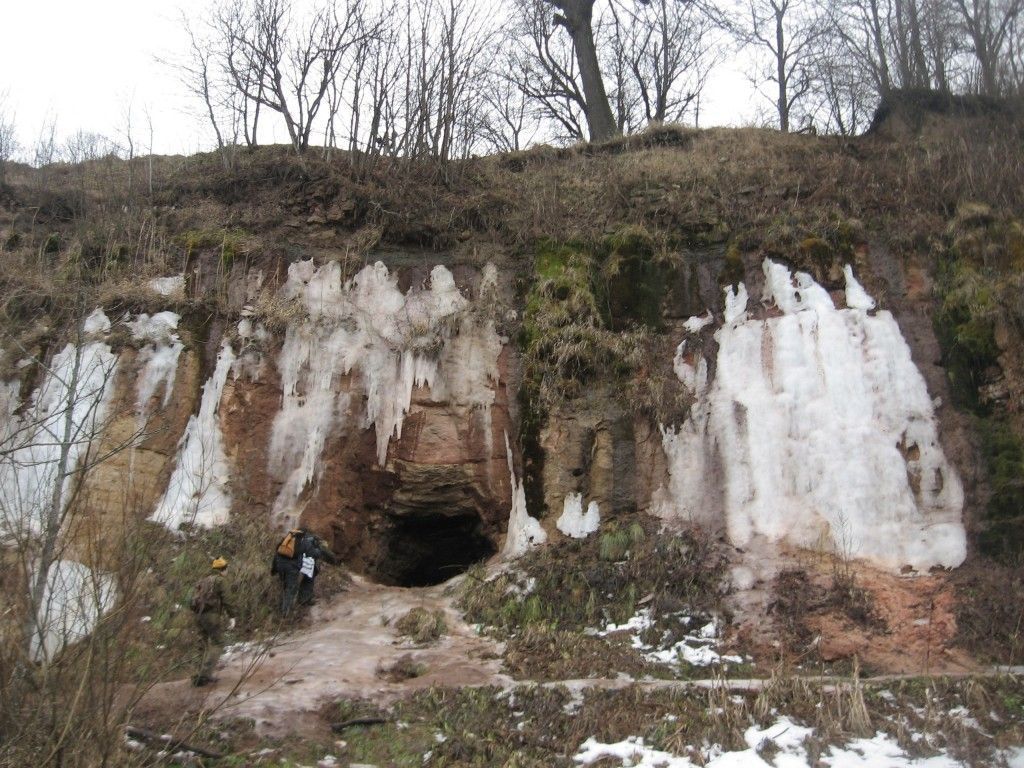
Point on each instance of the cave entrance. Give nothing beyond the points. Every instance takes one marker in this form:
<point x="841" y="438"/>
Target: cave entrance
<point x="425" y="549"/>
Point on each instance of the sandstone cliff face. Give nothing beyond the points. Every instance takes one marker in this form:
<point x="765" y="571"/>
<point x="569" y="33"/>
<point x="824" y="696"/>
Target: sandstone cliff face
<point x="378" y="413"/>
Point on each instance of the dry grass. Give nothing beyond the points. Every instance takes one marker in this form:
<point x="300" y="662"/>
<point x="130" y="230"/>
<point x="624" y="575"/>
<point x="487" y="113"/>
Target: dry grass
<point x="990" y="611"/>
<point x="422" y="625"/>
<point x="404" y="668"/>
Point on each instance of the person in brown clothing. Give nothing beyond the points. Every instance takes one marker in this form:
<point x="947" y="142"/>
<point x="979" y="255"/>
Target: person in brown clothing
<point x="209" y="607"/>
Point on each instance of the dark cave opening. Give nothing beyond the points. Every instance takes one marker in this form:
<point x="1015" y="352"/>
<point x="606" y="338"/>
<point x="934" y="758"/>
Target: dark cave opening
<point x="425" y="549"/>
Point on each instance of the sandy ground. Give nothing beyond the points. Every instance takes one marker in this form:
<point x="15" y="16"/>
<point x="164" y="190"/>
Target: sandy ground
<point x="335" y="654"/>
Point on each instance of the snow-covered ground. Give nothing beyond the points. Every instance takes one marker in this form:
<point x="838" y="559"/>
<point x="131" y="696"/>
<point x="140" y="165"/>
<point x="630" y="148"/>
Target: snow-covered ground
<point x="781" y="745"/>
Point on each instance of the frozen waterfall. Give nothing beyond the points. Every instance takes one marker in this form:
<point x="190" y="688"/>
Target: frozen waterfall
<point x="816" y="430"/>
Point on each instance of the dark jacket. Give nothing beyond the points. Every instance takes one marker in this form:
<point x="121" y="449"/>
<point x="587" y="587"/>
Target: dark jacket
<point x="310" y="546"/>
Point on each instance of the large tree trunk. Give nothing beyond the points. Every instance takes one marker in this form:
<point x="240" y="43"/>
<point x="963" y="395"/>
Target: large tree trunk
<point x="576" y="17"/>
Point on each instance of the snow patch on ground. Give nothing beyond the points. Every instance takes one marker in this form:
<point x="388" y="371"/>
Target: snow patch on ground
<point x="172" y="286"/>
<point x="696" y="648"/>
<point x="786" y="741"/>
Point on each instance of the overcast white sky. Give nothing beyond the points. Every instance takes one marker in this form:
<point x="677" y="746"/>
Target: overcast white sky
<point x="85" y="62"/>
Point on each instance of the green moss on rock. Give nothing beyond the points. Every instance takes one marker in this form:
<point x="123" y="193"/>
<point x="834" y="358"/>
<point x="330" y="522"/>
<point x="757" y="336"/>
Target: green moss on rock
<point x="634" y="278"/>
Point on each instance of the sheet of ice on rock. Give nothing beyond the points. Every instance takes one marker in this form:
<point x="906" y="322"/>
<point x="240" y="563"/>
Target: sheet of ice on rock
<point x="69" y="409"/>
<point x="74" y="599"/>
<point x="816" y="428"/>
<point x="198" y="492"/>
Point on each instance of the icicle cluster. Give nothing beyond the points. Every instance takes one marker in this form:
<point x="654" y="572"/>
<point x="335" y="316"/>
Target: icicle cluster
<point x="574" y="521"/>
<point x="158" y="360"/>
<point x="43" y="448"/>
<point x="388" y="342"/>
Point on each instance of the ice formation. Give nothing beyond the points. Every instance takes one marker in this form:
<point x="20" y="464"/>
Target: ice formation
<point x="524" y="531"/>
<point x="96" y="324"/>
<point x="856" y="296"/>
<point x="197" y="492"/>
<point x="817" y="429"/>
<point x="74" y="599"/>
<point x="388" y="343"/>
<point x="252" y="338"/>
<point x="172" y="286"/>
<point x="697" y="323"/>
<point x="693" y="377"/>
<point x="158" y="360"/>
<point x="69" y="410"/>
<point x="574" y="521"/>
<point x="736" y="303"/>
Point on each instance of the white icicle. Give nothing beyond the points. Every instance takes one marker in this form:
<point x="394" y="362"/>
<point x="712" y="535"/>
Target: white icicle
<point x="735" y="303"/>
<point x="389" y="343"/>
<point x="80" y="379"/>
<point x="158" y="360"/>
<point x="697" y="323"/>
<point x="74" y="599"/>
<point x="856" y="296"/>
<point x="524" y="532"/>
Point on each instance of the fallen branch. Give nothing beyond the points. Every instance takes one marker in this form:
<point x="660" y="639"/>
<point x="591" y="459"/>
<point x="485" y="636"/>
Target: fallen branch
<point x="168" y="743"/>
<point x="339" y="727"/>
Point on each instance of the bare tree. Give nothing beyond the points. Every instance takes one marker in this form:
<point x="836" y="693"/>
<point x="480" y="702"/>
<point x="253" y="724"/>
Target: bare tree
<point x="8" y="137"/>
<point x="508" y="125"/>
<point x="786" y="33"/>
<point x="668" y="50"/>
<point x="275" y="63"/>
<point x="200" y="73"/>
<point x="45" y="150"/>
<point x="542" y="65"/>
<point x="988" y="25"/>
<point x="900" y="43"/>
<point x="842" y="97"/>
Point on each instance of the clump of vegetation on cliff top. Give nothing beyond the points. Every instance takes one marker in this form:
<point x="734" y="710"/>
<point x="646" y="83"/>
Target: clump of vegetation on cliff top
<point x="558" y="591"/>
<point x="592" y="312"/>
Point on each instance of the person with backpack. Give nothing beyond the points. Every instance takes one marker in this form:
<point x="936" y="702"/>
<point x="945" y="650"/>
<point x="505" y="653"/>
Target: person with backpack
<point x="208" y="605"/>
<point x="297" y="562"/>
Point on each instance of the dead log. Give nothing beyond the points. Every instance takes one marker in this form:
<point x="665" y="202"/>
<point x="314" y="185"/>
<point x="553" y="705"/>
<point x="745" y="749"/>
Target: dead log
<point x="339" y="727"/>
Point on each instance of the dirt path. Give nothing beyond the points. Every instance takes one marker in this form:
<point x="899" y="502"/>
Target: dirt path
<point x="336" y="654"/>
